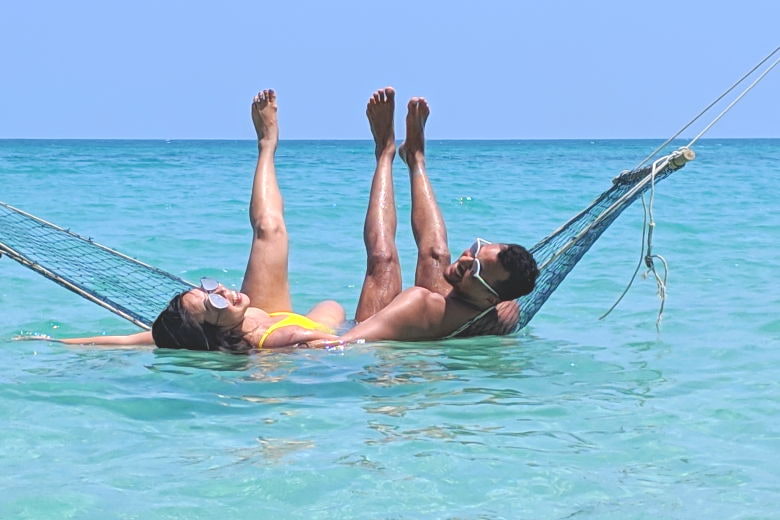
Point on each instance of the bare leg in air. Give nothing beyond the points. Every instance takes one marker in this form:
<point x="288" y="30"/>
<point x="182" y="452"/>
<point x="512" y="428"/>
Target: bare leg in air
<point x="265" y="280"/>
<point x="383" y="271"/>
<point x="430" y="231"/>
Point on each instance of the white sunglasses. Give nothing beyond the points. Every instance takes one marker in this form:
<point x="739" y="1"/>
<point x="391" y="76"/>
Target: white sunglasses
<point x="209" y="285"/>
<point x="476" y="266"/>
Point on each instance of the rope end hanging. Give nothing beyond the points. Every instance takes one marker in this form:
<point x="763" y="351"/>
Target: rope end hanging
<point x="648" y="228"/>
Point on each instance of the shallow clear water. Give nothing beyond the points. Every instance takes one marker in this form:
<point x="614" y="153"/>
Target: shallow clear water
<point x="573" y="418"/>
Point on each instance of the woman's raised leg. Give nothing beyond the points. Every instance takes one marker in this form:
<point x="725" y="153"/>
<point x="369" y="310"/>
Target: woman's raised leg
<point x="383" y="270"/>
<point x="265" y="280"/>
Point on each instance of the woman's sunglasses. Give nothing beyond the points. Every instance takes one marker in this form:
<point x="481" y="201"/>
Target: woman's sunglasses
<point x="476" y="266"/>
<point x="209" y="285"/>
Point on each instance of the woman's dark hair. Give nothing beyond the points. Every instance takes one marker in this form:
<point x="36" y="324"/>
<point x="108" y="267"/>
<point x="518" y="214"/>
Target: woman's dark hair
<point x="176" y="327"/>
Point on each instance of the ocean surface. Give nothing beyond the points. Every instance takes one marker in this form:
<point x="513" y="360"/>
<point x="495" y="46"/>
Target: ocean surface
<point x="571" y="418"/>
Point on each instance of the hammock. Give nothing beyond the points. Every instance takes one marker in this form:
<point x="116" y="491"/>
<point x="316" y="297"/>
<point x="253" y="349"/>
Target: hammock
<point x="558" y="253"/>
<point x="135" y="291"/>
<point x="139" y="292"/>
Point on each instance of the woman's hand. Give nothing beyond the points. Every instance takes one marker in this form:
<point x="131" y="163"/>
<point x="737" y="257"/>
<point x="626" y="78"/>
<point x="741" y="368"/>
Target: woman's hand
<point x="35" y="337"/>
<point x="140" y="338"/>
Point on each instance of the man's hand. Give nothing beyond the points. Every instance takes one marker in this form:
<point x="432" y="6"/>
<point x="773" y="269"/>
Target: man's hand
<point x="500" y="321"/>
<point x="322" y="343"/>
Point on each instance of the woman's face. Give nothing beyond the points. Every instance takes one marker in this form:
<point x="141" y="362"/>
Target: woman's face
<point x="198" y="304"/>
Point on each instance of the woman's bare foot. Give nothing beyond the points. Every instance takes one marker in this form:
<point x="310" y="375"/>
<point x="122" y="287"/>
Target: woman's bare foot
<point x="264" y="118"/>
<point x="413" y="148"/>
<point x="380" y="110"/>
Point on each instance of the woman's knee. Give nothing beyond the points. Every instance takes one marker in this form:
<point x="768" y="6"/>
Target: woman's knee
<point x="268" y="226"/>
<point x="329" y="312"/>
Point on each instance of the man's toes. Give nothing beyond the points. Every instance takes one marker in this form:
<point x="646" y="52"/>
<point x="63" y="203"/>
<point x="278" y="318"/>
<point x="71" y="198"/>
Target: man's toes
<point x="390" y="92"/>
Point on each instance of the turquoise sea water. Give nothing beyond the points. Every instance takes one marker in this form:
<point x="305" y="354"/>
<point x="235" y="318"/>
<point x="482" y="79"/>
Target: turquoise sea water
<point x="572" y="418"/>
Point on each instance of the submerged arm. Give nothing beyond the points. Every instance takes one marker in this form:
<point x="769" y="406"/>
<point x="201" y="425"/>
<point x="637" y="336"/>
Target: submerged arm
<point x="294" y="336"/>
<point x="137" y="339"/>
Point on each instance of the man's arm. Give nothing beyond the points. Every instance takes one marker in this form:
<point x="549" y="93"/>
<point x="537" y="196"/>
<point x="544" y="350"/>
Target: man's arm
<point x="415" y="314"/>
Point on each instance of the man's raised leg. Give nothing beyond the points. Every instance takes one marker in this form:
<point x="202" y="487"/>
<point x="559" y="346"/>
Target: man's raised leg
<point x="383" y="271"/>
<point x="430" y="231"/>
<point x="265" y="280"/>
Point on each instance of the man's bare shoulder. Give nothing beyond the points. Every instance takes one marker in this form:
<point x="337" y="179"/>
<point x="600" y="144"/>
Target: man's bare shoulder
<point x="421" y="297"/>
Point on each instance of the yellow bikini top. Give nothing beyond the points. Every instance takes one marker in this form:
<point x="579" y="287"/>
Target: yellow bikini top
<point x="292" y="319"/>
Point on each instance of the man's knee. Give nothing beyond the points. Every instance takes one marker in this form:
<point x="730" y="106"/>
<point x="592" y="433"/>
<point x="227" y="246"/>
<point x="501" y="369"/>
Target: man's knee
<point x="381" y="260"/>
<point x="437" y="253"/>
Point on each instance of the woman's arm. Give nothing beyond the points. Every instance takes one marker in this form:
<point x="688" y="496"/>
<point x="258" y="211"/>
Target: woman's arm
<point x="140" y="338"/>
<point x="295" y="336"/>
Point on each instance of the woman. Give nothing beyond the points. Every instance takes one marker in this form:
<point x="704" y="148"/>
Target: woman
<point x="213" y="317"/>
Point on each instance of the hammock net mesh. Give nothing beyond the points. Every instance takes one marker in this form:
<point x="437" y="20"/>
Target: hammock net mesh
<point x="132" y="289"/>
<point x="138" y="292"/>
<point x="558" y="253"/>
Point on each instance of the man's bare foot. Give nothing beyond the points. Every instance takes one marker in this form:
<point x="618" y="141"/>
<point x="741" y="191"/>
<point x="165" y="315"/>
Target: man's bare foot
<point x="413" y="148"/>
<point x="264" y="118"/>
<point x="380" y="110"/>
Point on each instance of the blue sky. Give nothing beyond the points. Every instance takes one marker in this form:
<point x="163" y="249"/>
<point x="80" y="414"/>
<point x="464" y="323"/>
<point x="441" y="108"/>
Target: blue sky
<point x="513" y="70"/>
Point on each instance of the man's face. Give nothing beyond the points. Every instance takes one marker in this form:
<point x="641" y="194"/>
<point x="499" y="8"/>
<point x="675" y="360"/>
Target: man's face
<point x="477" y="271"/>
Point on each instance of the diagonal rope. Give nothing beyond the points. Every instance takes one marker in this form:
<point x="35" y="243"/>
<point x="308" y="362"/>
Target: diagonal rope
<point x="736" y="100"/>
<point x="648" y="223"/>
<point x="705" y="110"/>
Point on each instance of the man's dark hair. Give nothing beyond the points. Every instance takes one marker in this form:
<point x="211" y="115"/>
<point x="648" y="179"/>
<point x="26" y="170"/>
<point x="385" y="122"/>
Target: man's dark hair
<point x="176" y="327"/>
<point x="522" y="272"/>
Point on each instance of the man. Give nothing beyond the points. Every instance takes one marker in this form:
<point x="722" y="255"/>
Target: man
<point x="473" y="295"/>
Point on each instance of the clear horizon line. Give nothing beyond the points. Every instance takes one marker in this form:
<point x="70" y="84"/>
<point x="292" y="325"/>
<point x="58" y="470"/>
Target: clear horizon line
<point x="170" y="139"/>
